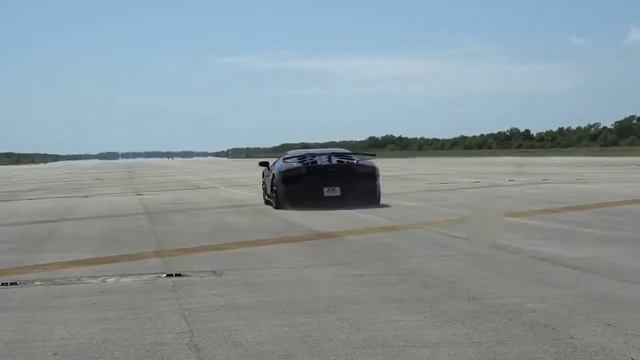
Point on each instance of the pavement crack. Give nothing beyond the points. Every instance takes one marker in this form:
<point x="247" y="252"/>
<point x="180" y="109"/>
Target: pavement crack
<point x="147" y="214"/>
<point x="110" y="279"/>
<point x="191" y="337"/>
<point x="191" y="343"/>
<point x="127" y="214"/>
<point x="510" y="249"/>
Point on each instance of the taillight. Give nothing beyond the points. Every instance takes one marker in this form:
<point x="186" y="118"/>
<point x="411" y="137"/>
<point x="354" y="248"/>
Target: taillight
<point x="370" y="170"/>
<point x="299" y="171"/>
<point x="294" y="175"/>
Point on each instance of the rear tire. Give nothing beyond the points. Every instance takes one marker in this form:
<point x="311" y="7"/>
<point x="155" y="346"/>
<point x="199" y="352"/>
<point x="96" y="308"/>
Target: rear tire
<point x="265" y="199"/>
<point x="276" y="202"/>
<point x="375" y="201"/>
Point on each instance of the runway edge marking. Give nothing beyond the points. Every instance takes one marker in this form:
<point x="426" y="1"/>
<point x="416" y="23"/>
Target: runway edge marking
<point x="210" y="248"/>
<point x="290" y="239"/>
<point x="571" y="208"/>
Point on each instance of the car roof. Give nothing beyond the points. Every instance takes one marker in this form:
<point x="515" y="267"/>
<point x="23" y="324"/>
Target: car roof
<point x="319" y="150"/>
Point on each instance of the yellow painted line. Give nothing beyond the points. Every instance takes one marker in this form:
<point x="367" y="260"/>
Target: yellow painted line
<point x="210" y="248"/>
<point x="571" y="208"/>
<point x="290" y="239"/>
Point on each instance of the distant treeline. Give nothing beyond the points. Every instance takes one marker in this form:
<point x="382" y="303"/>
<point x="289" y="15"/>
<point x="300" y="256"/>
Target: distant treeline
<point x="10" y="158"/>
<point x="164" y="154"/>
<point x="625" y="132"/>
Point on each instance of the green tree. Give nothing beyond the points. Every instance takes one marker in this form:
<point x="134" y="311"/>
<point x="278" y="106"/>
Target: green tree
<point x="630" y="141"/>
<point x="625" y="128"/>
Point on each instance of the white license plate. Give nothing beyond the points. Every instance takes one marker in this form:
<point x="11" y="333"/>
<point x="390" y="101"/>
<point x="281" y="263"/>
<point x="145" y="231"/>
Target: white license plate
<point x="332" y="191"/>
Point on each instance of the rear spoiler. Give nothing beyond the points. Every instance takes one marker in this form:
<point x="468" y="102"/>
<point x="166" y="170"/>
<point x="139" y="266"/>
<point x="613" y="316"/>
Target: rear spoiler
<point x="358" y="156"/>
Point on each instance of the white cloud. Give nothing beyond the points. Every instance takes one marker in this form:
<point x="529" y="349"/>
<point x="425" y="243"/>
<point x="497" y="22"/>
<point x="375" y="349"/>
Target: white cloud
<point x="577" y="40"/>
<point x="450" y="73"/>
<point x="632" y="37"/>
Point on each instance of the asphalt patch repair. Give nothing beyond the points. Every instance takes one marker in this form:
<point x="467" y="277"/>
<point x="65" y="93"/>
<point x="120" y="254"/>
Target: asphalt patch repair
<point x="290" y="239"/>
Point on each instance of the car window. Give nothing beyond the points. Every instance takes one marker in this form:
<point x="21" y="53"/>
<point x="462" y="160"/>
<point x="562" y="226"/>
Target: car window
<point x="277" y="162"/>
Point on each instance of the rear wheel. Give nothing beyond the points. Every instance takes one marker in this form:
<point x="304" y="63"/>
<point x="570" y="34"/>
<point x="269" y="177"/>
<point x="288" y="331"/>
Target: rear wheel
<point x="375" y="200"/>
<point x="265" y="199"/>
<point x="276" y="201"/>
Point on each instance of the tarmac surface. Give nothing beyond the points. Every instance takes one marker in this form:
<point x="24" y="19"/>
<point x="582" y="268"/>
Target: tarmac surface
<point x="467" y="258"/>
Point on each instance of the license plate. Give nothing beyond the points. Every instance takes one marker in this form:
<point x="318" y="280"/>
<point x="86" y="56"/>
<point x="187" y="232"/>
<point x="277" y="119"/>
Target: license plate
<point x="332" y="191"/>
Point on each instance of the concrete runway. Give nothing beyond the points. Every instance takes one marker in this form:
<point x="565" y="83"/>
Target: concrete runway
<point x="478" y="258"/>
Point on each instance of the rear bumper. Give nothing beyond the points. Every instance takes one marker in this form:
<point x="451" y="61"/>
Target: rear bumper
<point x="310" y="190"/>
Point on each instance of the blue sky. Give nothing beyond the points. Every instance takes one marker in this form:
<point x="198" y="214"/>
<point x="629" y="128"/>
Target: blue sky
<point x="90" y="76"/>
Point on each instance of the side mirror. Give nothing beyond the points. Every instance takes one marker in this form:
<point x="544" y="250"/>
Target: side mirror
<point x="263" y="164"/>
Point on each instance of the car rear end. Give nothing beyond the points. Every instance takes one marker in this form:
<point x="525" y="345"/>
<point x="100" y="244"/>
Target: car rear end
<point x="312" y="179"/>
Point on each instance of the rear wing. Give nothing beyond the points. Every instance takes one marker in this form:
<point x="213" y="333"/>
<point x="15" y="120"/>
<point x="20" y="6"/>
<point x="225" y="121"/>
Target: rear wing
<point x="313" y="158"/>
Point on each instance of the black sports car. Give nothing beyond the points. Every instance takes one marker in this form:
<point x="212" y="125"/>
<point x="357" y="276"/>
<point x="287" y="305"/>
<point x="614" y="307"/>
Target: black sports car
<point x="321" y="176"/>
